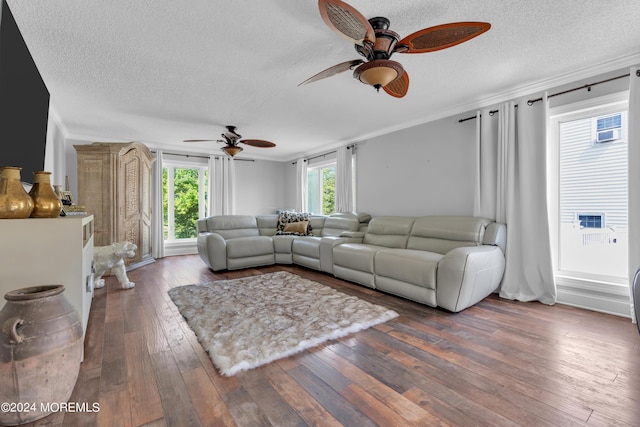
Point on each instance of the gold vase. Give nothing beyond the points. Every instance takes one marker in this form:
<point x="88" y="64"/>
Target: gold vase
<point x="46" y="203"/>
<point x="15" y="202"/>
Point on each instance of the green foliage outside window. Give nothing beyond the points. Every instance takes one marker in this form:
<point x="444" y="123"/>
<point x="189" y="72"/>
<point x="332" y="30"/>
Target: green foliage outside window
<point x="185" y="204"/>
<point x="328" y="191"/>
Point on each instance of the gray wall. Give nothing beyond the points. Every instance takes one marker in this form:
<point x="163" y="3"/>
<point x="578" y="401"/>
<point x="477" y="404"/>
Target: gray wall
<point x="261" y="187"/>
<point x="424" y="170"/>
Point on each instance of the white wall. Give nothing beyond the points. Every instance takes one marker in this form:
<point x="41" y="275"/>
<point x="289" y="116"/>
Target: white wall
<point x="71" y="157"/>
<point x="54" y="158"/>
<point x="261" y="187"/>
<point x="424" y="170"/>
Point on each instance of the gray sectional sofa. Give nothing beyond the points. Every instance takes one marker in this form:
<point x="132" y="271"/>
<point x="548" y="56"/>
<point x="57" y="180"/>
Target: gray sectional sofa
<point x="231" y="242"/>
<point x="441" y="261"/>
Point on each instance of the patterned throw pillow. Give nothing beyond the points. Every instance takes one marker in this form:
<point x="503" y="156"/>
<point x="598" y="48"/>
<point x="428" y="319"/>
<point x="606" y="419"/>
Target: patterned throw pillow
<point x="289" y="217"/>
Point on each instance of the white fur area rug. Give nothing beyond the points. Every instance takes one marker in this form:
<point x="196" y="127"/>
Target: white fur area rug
<point x="248" y="322"/>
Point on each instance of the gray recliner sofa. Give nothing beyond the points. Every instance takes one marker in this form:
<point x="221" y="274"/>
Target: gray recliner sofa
<point x="446" y="261"/>
<point x="231" y="242"/>
<point x="441" y="261"/>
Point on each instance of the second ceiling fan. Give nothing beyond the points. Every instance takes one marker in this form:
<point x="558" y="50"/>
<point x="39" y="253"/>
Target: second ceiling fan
<point x="232" y="138"/>
<point x="376" y="43"/>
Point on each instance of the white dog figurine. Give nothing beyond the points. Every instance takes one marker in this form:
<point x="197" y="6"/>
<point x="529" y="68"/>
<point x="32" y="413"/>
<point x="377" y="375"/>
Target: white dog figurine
<point x="112" y="258"/>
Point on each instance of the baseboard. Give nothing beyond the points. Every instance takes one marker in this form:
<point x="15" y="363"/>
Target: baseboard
<point x="615" y="304"/>
<point x="133" y="266"/>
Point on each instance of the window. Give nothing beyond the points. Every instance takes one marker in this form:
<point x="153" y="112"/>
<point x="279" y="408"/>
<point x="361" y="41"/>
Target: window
<point x="590" y="221"/>
<point x="184" y="199"/>
<point x="321" y="188"/>
<point x="609" y="122"/>
<point x="592" y="179"/>
<point x="608" y="128"/>
<point x="588" y="188"/>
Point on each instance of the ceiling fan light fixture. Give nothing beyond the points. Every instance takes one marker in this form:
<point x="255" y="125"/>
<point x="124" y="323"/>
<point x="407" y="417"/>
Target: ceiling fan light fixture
<point x="231" y="150"/>
<point x="378" y="73"/>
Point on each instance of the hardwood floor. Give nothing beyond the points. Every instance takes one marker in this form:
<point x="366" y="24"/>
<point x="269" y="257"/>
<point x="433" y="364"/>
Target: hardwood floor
<point x="499" y="363"/>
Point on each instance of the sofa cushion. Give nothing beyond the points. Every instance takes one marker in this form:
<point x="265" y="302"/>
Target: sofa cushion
<point x="308" y="246"/>
<point x="443" y="233"/>
<point x="282" y="246"/>
<point x="389" y="231"/>
<point x="249" y="246"/>
<point x="410" y="266"/>
<point x="288" y="217"/>
<point x="316" y="222"/>
<point x="233" y="226"/>
<point x="334" y="225"/>
<point x="356" y="256"/>
<point x="267" y="224"/>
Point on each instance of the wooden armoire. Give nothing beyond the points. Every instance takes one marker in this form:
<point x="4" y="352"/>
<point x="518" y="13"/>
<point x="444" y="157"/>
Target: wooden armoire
<point x="114" y="184"/>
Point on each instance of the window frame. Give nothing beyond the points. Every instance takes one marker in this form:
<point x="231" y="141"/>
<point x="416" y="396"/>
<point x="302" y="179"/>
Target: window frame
<point x="601" y="293"/>
<point x="203" y="170"/>
<point x="595" y="131"/>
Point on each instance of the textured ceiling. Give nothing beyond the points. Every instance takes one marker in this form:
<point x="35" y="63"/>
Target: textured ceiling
<point x="161" y="71"/>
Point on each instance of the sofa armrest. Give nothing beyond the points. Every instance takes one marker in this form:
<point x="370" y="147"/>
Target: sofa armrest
<point x="496" y="235"/>
<point x="467" y="275"/>
<point x="353" y="236"/>
<point x="326" y="251"/>
<point x="212" y="249"/>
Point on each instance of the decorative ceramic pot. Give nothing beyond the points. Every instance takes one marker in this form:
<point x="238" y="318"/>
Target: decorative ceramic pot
<point x="46" y="203"/>
<point x="40" y="352"/>
<point x="15" y="202"/>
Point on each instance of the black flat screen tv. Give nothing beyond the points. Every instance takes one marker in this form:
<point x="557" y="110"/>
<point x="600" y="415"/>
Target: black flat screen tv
<point x="24" y="102"/>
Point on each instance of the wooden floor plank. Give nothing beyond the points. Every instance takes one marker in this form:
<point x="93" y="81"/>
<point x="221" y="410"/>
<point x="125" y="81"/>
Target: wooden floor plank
<point x="498" y="363"/>
<point x="115" y="409"/>
<point x="146" y="405"/>
<point x="270" y="402"/>
<point x="298" y="398"/>
<point x="176" y="404"/>
<point x="330" y="399"/>
<point x="206" y="400"/>
<point x="406" y="408"/>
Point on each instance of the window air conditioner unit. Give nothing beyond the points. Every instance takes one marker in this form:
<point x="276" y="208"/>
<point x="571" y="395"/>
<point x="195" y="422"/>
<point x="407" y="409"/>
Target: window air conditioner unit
<point x="607" y="135"/>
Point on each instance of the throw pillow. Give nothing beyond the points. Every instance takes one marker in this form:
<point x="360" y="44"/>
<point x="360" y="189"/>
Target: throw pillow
<point x="285" y="218"/>
<point x="299" y="227"/>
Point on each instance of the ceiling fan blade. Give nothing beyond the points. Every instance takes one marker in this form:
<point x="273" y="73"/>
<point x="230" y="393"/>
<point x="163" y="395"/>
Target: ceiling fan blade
<point x="258" y="143"/>
<point x="441" y="37"/>
<point x="339" y="68"/>
<point x="200" y="140"/>
<point x="345" y="20"/>
<point x="398" y="87"/>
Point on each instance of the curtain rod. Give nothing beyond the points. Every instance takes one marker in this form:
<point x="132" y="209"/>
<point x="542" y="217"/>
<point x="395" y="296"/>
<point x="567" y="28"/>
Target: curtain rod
<point x="325" y="154"/>
<point x="201" y="157"/>
<point x="587" y="86"/>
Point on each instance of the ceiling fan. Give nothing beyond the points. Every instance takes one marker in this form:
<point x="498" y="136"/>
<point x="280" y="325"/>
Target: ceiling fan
<point x="231" y="138"/>
<point x="376" y="43"/>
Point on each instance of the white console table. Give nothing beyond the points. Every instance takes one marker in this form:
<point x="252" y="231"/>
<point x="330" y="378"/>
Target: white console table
<point x="49" y="251"/>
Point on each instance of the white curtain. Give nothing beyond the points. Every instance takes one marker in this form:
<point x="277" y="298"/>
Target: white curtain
<point x="301" y="185"/>
<point x="221" y="185"/>
<point x="157" y="220"/>
<point x="516" y="162"/>
<point x="344" y="179"/>
<point x="634" y="176"/>
<point x="485" y="201"/>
